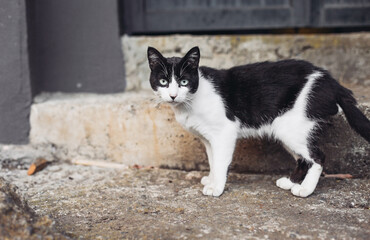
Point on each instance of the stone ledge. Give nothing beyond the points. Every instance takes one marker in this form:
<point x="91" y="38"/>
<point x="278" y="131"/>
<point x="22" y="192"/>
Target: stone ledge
<point x="129" y="128"/>
<point x="132" y="128"/>
<point x="344" y="55"/>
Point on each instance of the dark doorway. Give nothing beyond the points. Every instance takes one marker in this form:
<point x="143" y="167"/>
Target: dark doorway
<point x="75" y="46"/>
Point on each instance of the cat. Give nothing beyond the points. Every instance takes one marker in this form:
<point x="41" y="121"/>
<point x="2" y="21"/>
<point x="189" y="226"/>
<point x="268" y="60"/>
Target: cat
<point x="288" y="100"/>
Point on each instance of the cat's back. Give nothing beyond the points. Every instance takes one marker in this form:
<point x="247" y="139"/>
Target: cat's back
<point x="259" y="92"/>
<point x="265" y="72"/>
<point x="262" y="74"/>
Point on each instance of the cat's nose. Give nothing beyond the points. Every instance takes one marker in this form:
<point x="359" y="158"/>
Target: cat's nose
<point x="173" y="97"/>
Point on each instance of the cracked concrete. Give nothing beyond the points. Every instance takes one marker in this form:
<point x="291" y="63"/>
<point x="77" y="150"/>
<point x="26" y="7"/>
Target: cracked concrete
<point x="18" y="221"/>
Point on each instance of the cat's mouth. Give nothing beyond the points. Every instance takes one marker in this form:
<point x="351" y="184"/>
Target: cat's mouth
<point x="173" y="102"/>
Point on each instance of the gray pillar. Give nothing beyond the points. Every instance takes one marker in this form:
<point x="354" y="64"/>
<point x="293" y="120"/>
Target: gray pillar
<point x="15" y="90"/>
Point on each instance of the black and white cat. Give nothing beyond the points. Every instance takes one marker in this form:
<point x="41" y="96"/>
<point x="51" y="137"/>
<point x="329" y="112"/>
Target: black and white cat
<point x="287" y="100"/>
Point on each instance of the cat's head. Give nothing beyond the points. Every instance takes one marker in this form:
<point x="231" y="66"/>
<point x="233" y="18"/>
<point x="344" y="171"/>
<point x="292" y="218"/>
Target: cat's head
<point x="174" y="80"/>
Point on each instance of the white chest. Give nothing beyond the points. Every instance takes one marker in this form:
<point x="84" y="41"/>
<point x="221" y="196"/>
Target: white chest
<point x="206" y="116"/>
<point x="190" y="122"/>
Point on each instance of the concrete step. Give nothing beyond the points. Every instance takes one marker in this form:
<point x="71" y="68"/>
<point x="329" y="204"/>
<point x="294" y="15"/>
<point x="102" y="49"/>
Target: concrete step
<point x="131" y="128"/>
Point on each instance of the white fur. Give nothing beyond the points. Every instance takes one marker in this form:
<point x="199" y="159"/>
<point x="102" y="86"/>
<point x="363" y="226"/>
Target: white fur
<point x="309" y="183"/>
<point x="206" y="180"/>
<point x="205" y="116"/>
<point x="294" y="127"/>
<point x="285" y="183"/>
<point x="173" y="88"/>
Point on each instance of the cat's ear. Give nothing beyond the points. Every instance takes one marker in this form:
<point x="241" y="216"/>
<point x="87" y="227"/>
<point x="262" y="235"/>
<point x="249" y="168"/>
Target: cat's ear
<point x="192" y="57"/>
<point x="155" y="58"/>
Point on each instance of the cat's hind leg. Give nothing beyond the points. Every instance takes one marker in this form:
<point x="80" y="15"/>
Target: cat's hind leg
<point x="300" y="171"/>
<point x="296" y="176"/>
<point x="309" y="159"/>
<point x="312" y="177"/>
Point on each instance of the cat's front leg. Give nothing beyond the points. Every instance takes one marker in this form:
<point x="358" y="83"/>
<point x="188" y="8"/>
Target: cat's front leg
<point x="208" y="179"/>
<point x="222" y="148"/>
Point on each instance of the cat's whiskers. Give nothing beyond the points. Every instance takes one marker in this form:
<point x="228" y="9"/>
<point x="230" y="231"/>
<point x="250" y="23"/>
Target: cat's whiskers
<point x="187" y="104"/>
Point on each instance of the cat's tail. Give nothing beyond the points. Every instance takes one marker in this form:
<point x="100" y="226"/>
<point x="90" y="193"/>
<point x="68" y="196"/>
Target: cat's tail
<point x="356" y="119"/>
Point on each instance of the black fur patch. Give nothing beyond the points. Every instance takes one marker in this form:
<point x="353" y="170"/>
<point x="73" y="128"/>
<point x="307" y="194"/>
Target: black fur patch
<point x="300" y="171"/>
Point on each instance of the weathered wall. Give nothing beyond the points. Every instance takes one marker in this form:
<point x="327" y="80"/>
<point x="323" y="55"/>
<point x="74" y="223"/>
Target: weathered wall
<point x="15" y="90"/>
<point x="346" y="56"/>
<point x="129" y="128"/>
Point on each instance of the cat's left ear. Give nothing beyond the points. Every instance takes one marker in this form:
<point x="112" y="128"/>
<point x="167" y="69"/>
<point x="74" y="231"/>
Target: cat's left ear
<point x="192" y="57"/>
<point x="155" y="58"/>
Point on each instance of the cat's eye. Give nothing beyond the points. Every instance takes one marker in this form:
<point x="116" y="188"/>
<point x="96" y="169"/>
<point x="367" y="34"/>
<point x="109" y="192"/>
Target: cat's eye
<point x="163" y="82"/>
<point x="184" y="82"/>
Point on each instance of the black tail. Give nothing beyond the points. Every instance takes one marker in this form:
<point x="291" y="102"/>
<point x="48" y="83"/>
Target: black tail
<point x="356" y="119"/>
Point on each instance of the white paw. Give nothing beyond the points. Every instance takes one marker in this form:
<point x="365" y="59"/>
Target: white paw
<point x="206" y="180"/>
<point x="284" y="183"/>
<point x="210" y="190"/>
<point x="300" y="191"/>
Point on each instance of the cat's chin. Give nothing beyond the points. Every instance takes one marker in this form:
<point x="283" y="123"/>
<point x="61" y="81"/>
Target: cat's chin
<point x="175" y="104"/>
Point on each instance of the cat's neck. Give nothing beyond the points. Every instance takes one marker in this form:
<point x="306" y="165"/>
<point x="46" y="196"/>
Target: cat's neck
<point x="182" y="107"/>
<point x="204" y="97"/>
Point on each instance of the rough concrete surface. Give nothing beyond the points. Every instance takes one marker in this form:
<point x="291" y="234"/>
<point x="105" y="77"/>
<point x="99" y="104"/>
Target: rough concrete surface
<point x="346" y="56"/>
<point x="99" y="203"/>
<point x="116" y="127"/>
<point x="18" y="221"/>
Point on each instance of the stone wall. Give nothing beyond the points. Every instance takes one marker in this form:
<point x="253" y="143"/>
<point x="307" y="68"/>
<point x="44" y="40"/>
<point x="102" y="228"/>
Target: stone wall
<point x="346" y="56"/>
<point x="131" y="128"/>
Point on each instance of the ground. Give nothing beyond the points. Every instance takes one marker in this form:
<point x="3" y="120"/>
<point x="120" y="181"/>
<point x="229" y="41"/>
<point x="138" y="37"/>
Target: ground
<point x="102" y="203"/>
